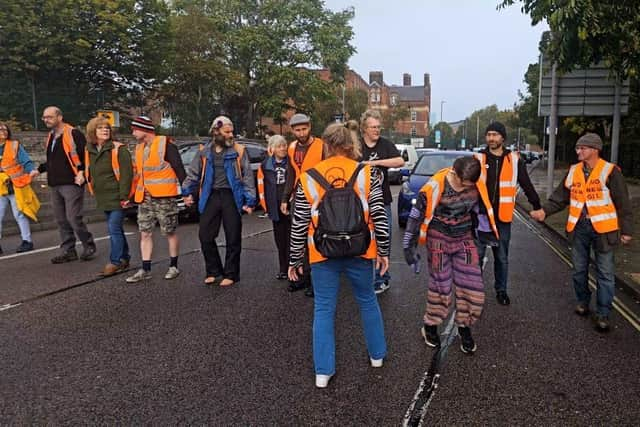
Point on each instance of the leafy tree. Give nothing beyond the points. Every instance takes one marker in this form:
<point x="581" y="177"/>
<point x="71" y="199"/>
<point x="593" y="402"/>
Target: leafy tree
<point x="446" y="133"/>
<point x="356" y="102"/>
<point x="588" y="31"/>
<point x="393" y="115"/>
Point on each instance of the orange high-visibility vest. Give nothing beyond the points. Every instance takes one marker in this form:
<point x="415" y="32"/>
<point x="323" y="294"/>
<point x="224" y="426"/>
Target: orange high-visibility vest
<point x="115" y="166"/>
<point x="311" y="158"/>
<point x="433" y="190"/>
<point x="507" y="183"/>
<point x="260" y="177"/>
<point x="11" y="166"/>
<point x="69" y="147"/>
<point x="332" y="168"/>
<point x="154" y="174"/>
<point x="594" y="194"/>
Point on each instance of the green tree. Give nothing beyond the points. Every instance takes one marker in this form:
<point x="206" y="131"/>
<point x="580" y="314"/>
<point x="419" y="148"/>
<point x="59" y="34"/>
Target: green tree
<point x="588" y="31"/>
<point x="393" y="115"/>
<point x="355" y="103"/>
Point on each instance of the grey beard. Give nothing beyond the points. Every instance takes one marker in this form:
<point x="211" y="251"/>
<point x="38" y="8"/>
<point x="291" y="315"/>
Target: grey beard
<point x="221" y="141"/>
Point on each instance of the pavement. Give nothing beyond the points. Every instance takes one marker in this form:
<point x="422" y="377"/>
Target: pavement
<point x="78" y="350"/>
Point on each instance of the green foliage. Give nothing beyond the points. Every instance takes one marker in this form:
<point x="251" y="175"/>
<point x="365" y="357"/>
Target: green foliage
<point x="588" y="31"/>
<point x="355" y="103"/>
<point x="393" y="115"/>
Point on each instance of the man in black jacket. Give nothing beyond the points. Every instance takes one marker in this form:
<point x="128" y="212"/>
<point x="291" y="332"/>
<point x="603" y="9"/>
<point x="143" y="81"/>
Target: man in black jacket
<point x="65" y="177"/>
<point x="503" y="171"/>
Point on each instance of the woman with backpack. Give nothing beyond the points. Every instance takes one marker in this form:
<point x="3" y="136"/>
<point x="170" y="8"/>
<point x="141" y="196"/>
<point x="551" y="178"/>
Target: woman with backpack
<point x="443" y="219"/>
<point x="343" y="239"/>
<point x="109" y="174"/>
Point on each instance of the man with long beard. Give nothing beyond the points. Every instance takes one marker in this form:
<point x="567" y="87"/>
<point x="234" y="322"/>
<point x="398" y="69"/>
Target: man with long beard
<point x="222" y="175"/>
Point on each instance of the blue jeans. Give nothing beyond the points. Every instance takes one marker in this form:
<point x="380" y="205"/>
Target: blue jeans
<point x="326" y="284"/>
<point x="584" y="238"/>
<point x="500" y="256"/>
<point x="119" y="245"/>
<point x="386" y="276"/>
<point x="21" y="219"/>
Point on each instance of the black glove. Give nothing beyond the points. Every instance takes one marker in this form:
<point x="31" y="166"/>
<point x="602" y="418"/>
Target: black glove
<point x="411" y="256"/>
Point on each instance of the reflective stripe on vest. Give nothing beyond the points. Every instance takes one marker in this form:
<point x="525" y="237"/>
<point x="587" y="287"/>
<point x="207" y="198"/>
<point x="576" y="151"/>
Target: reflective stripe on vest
<point x="314" y="193"/>
<point x="594" y="194"/>
<point x="69" y="147"/>
<point x="260" y="177"/>
<point x="433" y="190"/>
<point x="154" y="174"/>
<point x="507" y="183"/>
<point x="11" y="166"/>
<point x="312" y="157"/>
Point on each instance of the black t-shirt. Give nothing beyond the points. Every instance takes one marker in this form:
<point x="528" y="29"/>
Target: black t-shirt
<point x="384" y="149"/>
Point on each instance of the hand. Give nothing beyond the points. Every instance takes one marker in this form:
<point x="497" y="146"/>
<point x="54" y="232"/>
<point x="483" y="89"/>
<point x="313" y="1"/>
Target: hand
<point x="411" y="256"/>
<point x="247" y="209"/>
<point x="188" y="200"/>
<point x="124" y="204"/>
<point x="284" y="209"/>
<point x="625" y="239"/>
<point x="294" y="273"/>
<point x="79" y="179"/>
<point x="34" y="173"/>
<point x="538" y="215"/>
<point x="382" y="264"/>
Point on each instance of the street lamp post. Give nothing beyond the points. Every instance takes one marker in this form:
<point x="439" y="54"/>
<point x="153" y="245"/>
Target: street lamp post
<point x="441" y="104"/>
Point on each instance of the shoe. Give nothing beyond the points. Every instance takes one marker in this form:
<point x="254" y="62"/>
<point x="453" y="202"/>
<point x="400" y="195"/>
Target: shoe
<point x="430" y="335"/>
<point x="602" y="323"/>
<point x="381" y="287"/>
<point x="226" y="282"/>
<point x="1" y="250"/>
<point x="88" y="252"/>
<point x="503" y="298"/>
<point x="24" y="247"/>
<point x="308" y="292"/>
<point x="172" y="273"/>
<point x="376" y="363"/>
<point x="281" y="276"/>
<point x="110" y="270"/>
<point x="468" y="346"/>
<point x="582" y="309"/>
<point x="296" y="286"/>
<point x="139" y="276"/>
<point x="124" y="264"/>
<point x="322" y="381"/>
<point x="68" y="256"/>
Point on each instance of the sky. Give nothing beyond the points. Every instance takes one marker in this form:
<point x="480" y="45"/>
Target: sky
<point x="475" y="54"/>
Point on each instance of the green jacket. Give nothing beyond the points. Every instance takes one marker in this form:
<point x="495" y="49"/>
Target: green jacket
<point x="107" y="190"/>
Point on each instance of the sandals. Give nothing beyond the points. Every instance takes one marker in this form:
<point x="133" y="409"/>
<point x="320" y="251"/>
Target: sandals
<point x="226" y="282"/>
<point x="209" y="280"/>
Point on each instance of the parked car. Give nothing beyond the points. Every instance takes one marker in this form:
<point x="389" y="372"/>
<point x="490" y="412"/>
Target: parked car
<point x="422" y="151"/>
<point x="428" y="164"/>
<point x="410" y="157"/>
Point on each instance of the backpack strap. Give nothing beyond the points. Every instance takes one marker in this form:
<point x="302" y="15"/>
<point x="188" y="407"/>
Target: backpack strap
<point x="354" y="176"/>
<point x="317" y="177"/>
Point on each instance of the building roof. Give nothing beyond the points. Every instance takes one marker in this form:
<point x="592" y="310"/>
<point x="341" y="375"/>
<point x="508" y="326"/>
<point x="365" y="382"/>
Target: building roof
<point x="408" y="93"/>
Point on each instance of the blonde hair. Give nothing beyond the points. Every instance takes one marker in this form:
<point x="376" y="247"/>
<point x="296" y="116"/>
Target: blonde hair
<point x="274" y="141"/>
<point x="93" y="125"/>
<point x="369" y="114"/>
<point x="339" y="140"/>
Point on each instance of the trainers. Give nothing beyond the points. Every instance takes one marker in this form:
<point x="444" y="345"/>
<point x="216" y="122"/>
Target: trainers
<point x="281" y="276"/>
<point x="430" y="335"/>
<point x="322" y="381"/>
<point x="376" y="363"/>
<point x="25" y="246"/>
<point x="172" y="273"/>
<point x="503" y="298"/>
<point x="602" y="323"/>
<point x="582" y="309"/>
<point x="308" y="292"/>
<point x="139" y="276"/>
<point x="68" y="256"/>
<point x="296" y="286"/>
<point x="468" y="346"/>
<point x="88" y="252"/>
<point x="381" y="287"/>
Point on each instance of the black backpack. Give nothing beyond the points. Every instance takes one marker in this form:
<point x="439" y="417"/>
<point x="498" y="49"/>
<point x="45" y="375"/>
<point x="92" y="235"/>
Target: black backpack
<point x="341" y="230"/>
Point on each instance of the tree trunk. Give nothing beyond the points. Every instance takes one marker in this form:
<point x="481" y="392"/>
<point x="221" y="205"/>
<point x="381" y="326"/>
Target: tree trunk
<point x="33" y="101"/>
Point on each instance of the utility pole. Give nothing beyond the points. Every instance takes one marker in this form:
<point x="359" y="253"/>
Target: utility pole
<point x="478" y="131"/>
<point x="441" y="104"/>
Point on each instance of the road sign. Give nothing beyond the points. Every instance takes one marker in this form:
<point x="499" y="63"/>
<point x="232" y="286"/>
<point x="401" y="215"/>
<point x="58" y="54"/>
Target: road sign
<point x="463" y="143"/>
<point x="112" y="116"/>
<point x="582" y="92"/>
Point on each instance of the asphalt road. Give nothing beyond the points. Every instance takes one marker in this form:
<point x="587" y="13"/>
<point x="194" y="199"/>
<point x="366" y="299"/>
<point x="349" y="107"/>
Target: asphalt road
<point x="84" y="351"/>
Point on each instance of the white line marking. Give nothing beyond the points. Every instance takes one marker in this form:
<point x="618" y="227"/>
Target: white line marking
<point x="50" y="248"/>
<point x="8" y="306"/>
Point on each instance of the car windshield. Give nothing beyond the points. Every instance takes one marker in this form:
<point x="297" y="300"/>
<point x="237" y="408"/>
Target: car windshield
<point x="429" y="164"/>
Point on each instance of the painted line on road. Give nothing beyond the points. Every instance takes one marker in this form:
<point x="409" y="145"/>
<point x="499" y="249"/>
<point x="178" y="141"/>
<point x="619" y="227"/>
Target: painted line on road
<point x="620" y="307"/>
<point x="51" y="248"/>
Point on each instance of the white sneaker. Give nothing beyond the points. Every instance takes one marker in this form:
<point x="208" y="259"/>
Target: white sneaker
<point x="139" y="276"/>
<point x="172" y="273"/>
<point x="381" y="288"/>
<point x="376" y="363"/>
<point x="322" y="381"/>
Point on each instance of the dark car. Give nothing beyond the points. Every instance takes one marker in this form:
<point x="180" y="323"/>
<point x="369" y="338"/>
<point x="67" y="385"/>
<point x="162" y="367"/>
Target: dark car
<point x="428" y="164"/>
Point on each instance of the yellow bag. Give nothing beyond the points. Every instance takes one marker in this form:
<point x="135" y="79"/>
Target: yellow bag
<point x="27" y="201"/>
<point x="4" y="184"/>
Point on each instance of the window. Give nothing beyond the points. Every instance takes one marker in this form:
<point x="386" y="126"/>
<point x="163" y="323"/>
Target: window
<point x="414" y="133"/>
<point x="394" y="99"/>
<point x="414" y="116"/>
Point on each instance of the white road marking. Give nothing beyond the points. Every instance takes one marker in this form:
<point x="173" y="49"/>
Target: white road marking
<point x="50" y="248"/>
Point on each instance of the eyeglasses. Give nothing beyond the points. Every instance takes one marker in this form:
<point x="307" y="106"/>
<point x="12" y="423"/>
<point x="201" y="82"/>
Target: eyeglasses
<point x="373" y="127"/>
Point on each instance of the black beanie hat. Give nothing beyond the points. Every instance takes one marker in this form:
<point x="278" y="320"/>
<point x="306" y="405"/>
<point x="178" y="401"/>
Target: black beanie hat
<point x="497" y="127"/>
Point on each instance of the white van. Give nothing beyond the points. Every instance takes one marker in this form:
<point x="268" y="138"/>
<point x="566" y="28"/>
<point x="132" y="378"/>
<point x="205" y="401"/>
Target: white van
<point x="410" y="156"/>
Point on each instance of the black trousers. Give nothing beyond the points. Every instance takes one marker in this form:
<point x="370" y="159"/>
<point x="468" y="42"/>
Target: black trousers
<point x="221" y="209"/>
<point x="281" y="231"/>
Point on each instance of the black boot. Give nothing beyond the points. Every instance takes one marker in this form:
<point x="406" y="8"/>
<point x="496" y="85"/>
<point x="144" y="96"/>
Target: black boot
<point x="468" y="346"/>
